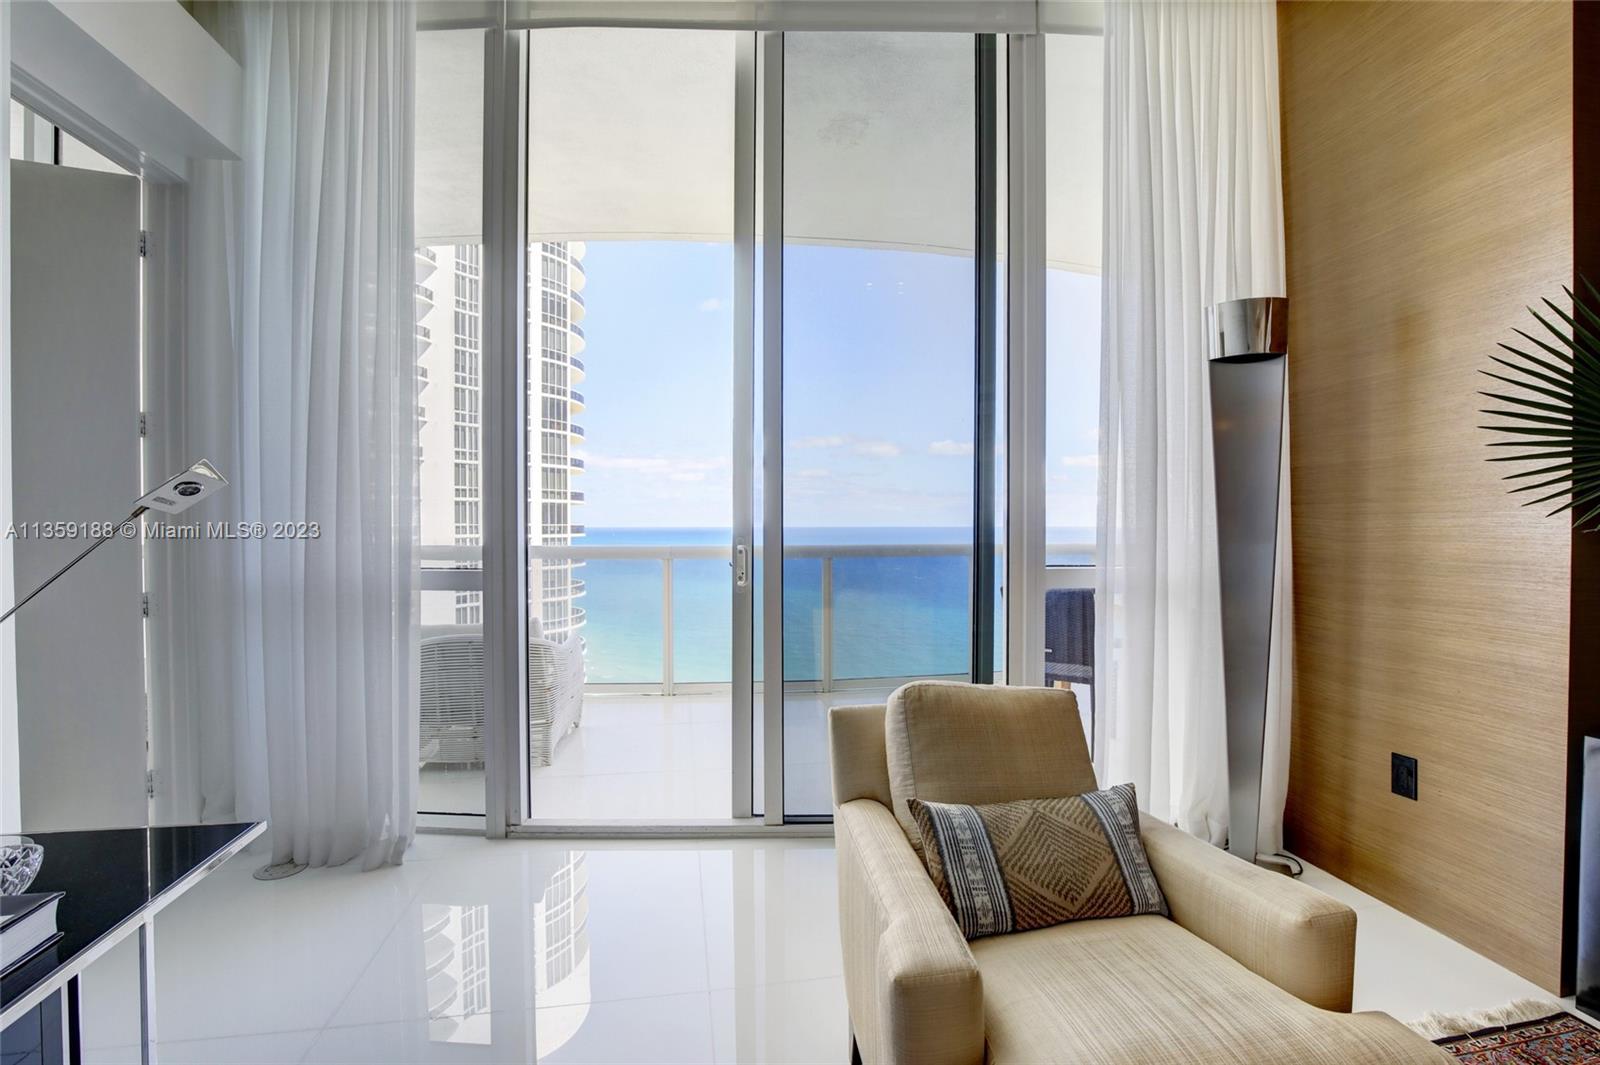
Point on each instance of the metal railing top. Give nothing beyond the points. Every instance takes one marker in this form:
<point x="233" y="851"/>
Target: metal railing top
<point x="456" y="553"/>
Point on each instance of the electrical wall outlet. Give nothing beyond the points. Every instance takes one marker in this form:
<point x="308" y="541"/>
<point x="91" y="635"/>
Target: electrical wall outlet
<point x="1403" y="775"/>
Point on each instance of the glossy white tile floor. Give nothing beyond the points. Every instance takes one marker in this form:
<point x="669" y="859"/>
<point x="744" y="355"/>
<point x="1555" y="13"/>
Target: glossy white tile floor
<point x="522" y="951"/>
<point x="638" y="757"/>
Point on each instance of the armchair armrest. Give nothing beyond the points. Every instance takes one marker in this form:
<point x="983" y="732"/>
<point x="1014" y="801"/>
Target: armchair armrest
<point x="1278" y="928"/>
<point x="913" y="987"/>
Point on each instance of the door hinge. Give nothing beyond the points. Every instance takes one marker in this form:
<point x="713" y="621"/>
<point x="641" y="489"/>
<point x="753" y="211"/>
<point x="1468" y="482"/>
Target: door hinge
<point x="144" y="423"/>
<point x="144" y="243"/>
<point x="144" y="604"/>
<point x="149" y="783"/>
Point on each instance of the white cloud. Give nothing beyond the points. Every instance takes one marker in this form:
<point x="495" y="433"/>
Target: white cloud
<point x="877" y="449"/>
<point x="868" y="448"/>
<point x="950" y="447"/>
<point x="812" y="473"/>
<point x="711" y="303"/>
<point x="819" y="441"/>
<point x="1080" y="461"/>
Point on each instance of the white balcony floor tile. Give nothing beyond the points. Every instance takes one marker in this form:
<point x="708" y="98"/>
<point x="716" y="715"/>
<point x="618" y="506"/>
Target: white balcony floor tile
<point x="653" y="757"/>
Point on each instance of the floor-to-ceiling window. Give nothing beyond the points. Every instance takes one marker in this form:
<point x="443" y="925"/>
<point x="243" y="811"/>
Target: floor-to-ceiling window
<point x="1073" y="120"/>
<point x="878" y="371"/>
<point x="630" y="214"/>
<point x="450" y="349"/>
<point x="660" y="176"/>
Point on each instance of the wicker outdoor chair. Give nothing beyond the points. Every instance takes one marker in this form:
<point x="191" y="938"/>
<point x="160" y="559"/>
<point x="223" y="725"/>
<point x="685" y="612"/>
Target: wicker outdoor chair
<point x="452" y="695"/>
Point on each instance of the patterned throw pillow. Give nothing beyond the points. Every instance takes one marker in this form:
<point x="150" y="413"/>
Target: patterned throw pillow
<point x="1012" y="866"/>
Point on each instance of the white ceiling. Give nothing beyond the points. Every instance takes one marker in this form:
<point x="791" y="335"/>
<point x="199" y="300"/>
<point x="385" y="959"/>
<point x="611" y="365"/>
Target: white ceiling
<point x="631" y="137"/>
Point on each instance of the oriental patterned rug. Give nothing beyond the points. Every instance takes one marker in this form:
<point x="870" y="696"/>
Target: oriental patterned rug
<point x="1512" y="1036"/>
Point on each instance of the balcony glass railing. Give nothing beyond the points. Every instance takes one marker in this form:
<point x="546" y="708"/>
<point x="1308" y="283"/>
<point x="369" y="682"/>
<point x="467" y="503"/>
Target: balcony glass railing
<point x="657" y="617"/>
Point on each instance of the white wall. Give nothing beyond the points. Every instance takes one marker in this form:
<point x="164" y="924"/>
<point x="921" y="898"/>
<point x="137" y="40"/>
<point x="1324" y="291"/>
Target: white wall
<point x="139" y="80"/>
<point x="142" y="82"/>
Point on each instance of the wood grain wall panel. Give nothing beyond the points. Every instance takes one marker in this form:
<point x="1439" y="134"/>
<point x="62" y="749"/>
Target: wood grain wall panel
<point x="1428" y="181"/>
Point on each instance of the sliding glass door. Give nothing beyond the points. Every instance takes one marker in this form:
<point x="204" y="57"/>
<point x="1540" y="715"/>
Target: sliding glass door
<point x="631" y="439"/>
<point x="718" y="311"/>
<point x="878" y="371"/>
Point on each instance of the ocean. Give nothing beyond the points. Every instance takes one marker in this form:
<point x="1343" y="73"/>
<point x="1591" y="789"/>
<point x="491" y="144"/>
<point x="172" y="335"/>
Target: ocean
<point x="892" y="617"/>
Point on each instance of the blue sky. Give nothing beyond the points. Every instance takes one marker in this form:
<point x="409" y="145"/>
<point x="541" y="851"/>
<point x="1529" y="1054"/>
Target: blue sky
<point x="878" y="388"/>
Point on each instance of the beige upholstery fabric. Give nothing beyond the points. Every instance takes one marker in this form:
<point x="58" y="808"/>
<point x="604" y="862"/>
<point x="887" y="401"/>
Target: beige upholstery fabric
<point x="977" y="743"/>
<point x="855" y="742"/>
<point x="1143" y="991"/>
<point x="1278" y="928"/>
<point x="1236" y="977"/>
<point x="914" y="992"/>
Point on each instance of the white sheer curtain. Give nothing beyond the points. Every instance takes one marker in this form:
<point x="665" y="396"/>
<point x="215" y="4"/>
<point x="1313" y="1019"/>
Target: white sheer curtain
<point x="1193" y="215"/>
<point x="301" y="382"/>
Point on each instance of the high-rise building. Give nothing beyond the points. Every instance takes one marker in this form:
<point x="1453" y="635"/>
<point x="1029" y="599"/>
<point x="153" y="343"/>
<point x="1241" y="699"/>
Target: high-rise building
<point x="450" y="419"/>
<point x="555" y="307"/>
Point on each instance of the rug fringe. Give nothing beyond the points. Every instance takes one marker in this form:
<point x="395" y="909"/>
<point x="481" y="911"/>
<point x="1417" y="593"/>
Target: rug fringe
<point x="1438" y="1026"/>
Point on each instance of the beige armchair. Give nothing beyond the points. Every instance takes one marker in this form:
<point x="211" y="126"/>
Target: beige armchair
<point x="1252" y="966"/>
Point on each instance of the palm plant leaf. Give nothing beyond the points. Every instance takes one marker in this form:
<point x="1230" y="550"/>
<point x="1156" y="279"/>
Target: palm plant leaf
<point x="1547" y="409"/>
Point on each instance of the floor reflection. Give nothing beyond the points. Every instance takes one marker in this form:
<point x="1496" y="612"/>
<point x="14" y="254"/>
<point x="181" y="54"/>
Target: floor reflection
<point x="455" y="950"/>
<point x="561" y="950"/>
<point x="457" y="969"/>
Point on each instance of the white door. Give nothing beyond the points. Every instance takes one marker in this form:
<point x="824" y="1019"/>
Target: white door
<point x="75" y="440"/>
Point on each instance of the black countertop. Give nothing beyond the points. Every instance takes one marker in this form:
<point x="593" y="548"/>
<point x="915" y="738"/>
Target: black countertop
<point x="110" y="876"/>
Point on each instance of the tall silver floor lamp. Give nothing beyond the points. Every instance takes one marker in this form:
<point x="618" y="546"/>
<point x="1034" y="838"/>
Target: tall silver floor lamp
<point x="173" y="496"/>
<point x="1248" y="346"/>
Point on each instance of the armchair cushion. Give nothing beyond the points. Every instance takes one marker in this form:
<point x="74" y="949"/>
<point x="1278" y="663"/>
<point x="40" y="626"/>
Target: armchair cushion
<point x="978" y="743"/>
<point x="1143" y="991"/>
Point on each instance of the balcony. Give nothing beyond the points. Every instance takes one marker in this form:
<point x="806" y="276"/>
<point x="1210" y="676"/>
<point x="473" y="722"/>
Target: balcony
<point x="841" y="587"/>
<point x="861" y="620"/>
<point x="427" y="263"/>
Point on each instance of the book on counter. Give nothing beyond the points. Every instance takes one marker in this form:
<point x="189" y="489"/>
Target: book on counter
<point x="27" y="925"/>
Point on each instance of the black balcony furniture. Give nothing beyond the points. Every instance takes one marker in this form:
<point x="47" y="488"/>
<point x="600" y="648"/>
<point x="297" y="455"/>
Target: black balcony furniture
<point x="1068" y="636"/>
<point x="1069" y="641"/>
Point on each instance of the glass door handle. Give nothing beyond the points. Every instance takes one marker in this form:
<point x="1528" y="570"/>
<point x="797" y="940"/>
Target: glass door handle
<point x="741" y="566"/>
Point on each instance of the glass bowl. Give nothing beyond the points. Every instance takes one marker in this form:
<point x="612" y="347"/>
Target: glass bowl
<point x="20" y="858"/>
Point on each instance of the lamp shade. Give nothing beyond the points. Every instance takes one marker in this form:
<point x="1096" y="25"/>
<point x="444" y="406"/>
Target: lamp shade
<point x="182" y="491"/>
<point x="1253" y="328"/>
